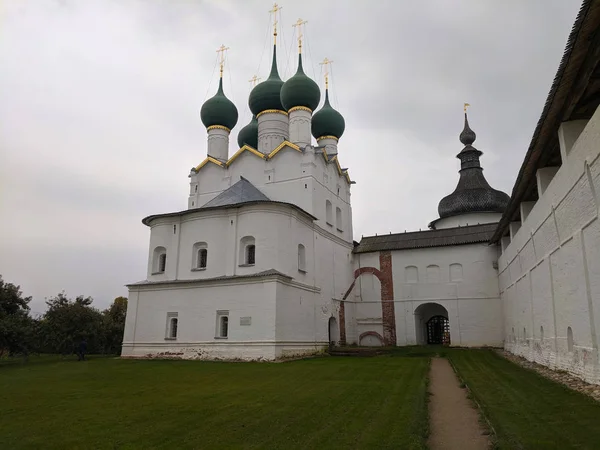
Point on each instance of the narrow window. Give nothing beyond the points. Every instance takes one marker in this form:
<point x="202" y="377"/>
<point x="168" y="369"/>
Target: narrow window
<point x="196" y="188"/>
<point x="159" y="260"/>
<point x="162" y="262"/>
<point x="174" y="229"/>
<point x="524" y="333"/>
<point x="338" y="218"/>
<point x="328" y="213"/>
<point x="570" y="339"/>
<point x="192" y="203"/>
<point x="174" y="322"/>
<point x="541" y="333"/>
<point x="250" y="254"/>
<point x="224" y="326"/>
<point x="301" y="258"/>
<point x="202" y="258"/>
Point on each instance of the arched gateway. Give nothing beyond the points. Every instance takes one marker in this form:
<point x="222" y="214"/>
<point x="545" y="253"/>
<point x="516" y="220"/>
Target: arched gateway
<point x="432" y="325"/>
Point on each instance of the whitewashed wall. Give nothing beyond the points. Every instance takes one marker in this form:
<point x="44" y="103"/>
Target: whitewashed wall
<point x="467" y="219"/>
<point x="550" y="271"/>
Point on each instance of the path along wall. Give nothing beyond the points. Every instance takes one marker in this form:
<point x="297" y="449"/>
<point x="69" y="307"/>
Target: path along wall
<point x="550" y="265"/>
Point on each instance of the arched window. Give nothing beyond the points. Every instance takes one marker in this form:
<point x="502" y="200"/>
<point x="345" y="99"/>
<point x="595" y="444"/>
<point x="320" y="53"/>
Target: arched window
<point x="570" y="343"/>
<point x="338" y="218"/>
<point x="433" y="274"/>
<point x="172" y="323"/>
<point x="224" y="328"/>
<point x="247" y="256"/>
<point x="328" y="213"/>
<point x="301" y="258"/>
<point x="456" y="272"/>
<point x="411" y="274"/>
<point x="200" y="255"/>
<point x="159" y="260"/>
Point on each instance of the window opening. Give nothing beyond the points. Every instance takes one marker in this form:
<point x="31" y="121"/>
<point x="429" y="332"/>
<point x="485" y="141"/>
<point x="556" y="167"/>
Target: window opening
<point x="162" y="262"/>
<point x="250" y="254"/>
<point x="202" y="258"/>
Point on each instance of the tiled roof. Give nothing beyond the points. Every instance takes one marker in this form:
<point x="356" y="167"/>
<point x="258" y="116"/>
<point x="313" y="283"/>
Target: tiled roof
<point x="471" y="234"/>
<point x="241" y="192"/>
<point x="265" y="273"/>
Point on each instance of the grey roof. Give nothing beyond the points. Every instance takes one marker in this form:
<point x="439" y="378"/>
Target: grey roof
<point x="471" y="234"/>
<point x="241" y="192"/>
<point x="265" y="273"/>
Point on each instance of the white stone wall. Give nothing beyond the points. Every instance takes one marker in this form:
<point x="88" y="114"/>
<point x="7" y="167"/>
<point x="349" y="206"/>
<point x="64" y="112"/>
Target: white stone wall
<point x="550" y="270"/>
<point x="467" y="219"/>
<point x="430" y="276"/>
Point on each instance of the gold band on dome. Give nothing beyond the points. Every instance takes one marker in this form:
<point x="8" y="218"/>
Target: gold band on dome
<point x="327" y="137"/>
<point x="218" y="127"/>
<point x="266" y="111"/>
<point x="299" y="108"/>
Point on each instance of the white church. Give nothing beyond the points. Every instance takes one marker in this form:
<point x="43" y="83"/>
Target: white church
<point x="262" y="264"/>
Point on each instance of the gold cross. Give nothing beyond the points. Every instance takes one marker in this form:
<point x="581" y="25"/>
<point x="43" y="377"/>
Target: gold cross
<point x="466" y="106"/>
<point x="275" y="9"/>
<point x="326" y="63"/>
<point x="221" y="50"/>
<point x="254" y="80"/>
<point x="299" y="24"/>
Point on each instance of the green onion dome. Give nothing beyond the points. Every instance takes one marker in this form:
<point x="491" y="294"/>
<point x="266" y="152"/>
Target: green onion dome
<point x="249" y="134"/>
<point x="300" y="90"/>
<point x="327" y="121"/>
<point x="219" y="110"/>
<point x="266" y="95"/>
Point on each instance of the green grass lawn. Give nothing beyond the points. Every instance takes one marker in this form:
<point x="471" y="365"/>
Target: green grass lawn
<point x="527" y="410"/>
<point x="111" y="403"/>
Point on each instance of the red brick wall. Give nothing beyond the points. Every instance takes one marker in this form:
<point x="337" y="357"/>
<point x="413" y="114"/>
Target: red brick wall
<point x="342" y="323"/>
<point x="387" y="298"/>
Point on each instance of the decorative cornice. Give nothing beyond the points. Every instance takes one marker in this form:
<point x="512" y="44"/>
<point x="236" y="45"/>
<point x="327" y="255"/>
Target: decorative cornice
<point x="245" y="148"/>
<point x="327" y="137"/>
<point x="299" y="108"/>
<point x="207" y="160"/>
<point x="218" y="127"/>
<point x="281" y="146"/>
<point x="267" y="111"/>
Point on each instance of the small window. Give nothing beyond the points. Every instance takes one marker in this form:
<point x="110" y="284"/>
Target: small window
<point x="338" y="219"/>
<point x="570" y="343"/>
<point x="174" y="229"/>
<point x="196" y="188"/>
<point x="172" y="324"/>
<point x="247" y="251"/>
<point x="328" y="213"/>
<point x="192" y="203"/>
<point x="159" y="260"/>
<point x="524" y="333"/>
<point x="222" y="324"/>
<point x="202" y="257"/>
<point x="250" y="254"/>
<point x="542" y="333"/>
<point x="301" y="258"/>
<point x="162" y="262"/>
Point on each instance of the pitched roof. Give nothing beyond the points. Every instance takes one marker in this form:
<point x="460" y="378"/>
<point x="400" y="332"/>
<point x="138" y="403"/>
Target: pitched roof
<point x="264" y="273"/>
<point x="241" y="192"/>
<point x="471" y="234"/>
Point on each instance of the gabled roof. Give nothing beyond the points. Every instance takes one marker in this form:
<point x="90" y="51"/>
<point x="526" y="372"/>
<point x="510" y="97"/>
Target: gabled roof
<point x="471" y="234"/>
<point x="241" y="192"/>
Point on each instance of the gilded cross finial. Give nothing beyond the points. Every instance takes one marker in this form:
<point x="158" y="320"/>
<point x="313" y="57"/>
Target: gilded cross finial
<point x="221" y="50"/>
<point x="465" y="107"/>
<point x="275" y="10"/>
<point x="254" y="80"/>
<point x="299" y="24"/>
<point x="326" y="63"/>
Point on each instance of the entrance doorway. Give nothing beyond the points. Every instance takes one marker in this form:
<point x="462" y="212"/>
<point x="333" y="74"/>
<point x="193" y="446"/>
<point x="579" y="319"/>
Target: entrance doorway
<point x="334" y="332"/>
<point x="438" y="331"/>
<point x="432" y="325"/>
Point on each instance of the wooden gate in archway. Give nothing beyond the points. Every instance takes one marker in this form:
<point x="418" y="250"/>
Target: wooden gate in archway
<point x="438" y="331"/>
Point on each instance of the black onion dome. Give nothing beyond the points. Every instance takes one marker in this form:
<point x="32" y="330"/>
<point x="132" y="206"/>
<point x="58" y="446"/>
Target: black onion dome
<point x="327" y="121"/>
<point x="219" y="110"/>
<point x="473" y="193"/>
<point x="249" y="134"/>
<point x="300" y="90"/>
<point x="267" y="95"/>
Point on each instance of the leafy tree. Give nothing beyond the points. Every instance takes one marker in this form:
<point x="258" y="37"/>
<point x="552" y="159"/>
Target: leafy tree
<point x="16" y="327"/>
<point x="114" y="325"/>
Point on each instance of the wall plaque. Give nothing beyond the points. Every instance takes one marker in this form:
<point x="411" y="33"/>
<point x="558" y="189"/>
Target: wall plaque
<point x="245" y="320"/>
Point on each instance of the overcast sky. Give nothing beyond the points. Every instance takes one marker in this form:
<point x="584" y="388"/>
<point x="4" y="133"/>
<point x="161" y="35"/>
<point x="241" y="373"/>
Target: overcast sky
<point x="100" y="99"/>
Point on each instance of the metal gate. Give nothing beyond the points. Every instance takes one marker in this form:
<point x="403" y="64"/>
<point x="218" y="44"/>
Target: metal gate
<point x="438" y="331"/>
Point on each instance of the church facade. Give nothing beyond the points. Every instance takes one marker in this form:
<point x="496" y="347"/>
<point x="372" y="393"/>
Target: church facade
<point x="262" y="264"/>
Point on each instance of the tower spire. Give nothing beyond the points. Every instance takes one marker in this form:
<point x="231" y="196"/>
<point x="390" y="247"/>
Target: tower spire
<point x="299" y="24"/>
<point x="467" y="136"/>
<point x="221" y="50"/>
<point x="276" y="8"/>
<point x="326" y="63"/>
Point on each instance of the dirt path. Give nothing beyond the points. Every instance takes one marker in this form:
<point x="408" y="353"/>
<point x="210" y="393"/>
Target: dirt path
<point x="454" y="422"/>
